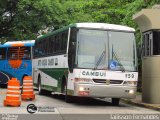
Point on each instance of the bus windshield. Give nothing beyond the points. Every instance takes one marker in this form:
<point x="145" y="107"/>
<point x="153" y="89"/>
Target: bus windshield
<point x="122" y="51"/>
<point x="90" y="47"/>
<point x="97" y="49"/>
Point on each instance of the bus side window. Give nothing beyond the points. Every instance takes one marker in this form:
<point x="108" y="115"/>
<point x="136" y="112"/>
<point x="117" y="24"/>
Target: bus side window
<point x="13" y="53"/>
<point x="50" y="46"/>
<point x="1" y="57"/>
<point x="47" y="46"/>
<point x="27" y="51"/>
<point x="64" y="41"/>
<point x="36" y="50"/>
<point x="2" y="53"/>
<point x="58" y="43"/>
<point x="41" y="49"/>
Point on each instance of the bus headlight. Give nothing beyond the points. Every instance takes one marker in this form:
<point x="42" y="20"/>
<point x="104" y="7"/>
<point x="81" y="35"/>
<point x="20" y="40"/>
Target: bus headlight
<point x="83" y="80"/>
<point x="130" y="83"/>
<point x="81" y="88"/>
<point x="131" y="91"/>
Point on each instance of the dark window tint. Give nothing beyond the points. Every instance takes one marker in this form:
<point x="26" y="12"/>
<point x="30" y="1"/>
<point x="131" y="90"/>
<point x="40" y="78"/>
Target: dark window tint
<point x="156" y="43"/>
<point x="52" y="45"/>
<point x="17" y="53"/>
<point x="25" y="53"/>
<point x="2" y="53"/>
<point x="151" y="43"/>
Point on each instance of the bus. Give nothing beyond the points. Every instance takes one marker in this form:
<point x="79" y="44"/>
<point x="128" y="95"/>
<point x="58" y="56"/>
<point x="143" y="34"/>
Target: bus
<point x="15" y="60"/>
<point x="96" y="60"/>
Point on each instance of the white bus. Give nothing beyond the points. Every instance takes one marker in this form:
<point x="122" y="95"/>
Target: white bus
<point x="87" y="60"/>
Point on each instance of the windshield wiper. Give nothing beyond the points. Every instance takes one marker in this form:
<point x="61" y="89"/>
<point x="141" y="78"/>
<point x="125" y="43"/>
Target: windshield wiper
<point x="100" y="58"/>
<point x="114" y="54"/>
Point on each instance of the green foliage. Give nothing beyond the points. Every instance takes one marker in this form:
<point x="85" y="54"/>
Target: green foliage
<point x="22" y="19"/>
<point x="118" y="11"/>
<point x="73" y="12"/>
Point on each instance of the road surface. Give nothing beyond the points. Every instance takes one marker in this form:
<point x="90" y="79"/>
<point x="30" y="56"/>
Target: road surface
<point x="50" y="107"/>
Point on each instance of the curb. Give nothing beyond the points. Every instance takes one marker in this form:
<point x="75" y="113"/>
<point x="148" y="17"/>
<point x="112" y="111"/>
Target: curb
<point x="141" y="104"/>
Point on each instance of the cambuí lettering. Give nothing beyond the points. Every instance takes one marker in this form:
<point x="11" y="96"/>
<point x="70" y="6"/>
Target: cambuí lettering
<point x="92" y="73"/>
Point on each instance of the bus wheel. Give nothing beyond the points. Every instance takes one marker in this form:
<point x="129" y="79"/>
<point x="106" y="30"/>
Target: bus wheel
<point x="64" y="87"/>
<point x="40" y="91"/>
<point x="68" y="98"/>
<point x="115" y="101"/>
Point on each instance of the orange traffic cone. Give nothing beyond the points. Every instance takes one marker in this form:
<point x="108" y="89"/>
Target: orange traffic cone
<point x="27" y="89"/>
<point x="13" y="93"/>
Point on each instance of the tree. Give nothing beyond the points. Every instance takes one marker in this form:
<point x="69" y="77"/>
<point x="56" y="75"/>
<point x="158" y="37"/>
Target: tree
<point x="22" y="19"/>
<point x="7" y="15"/>
<point x="73" y="12"/>
<point x="118" y="11"/>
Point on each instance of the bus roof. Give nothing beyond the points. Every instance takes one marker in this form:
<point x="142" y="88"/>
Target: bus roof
<point x="18" y="43"/>
<point x="103" y="26"/>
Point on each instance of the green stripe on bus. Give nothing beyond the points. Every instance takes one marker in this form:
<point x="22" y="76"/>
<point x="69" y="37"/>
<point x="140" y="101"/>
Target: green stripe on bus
<point x="56" y="73"/>
<point x="49" y="88"/>
<point x="54" y="89"/>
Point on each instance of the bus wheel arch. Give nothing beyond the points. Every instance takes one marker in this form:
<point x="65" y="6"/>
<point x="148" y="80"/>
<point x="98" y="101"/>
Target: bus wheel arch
<point x="39" y="85"/>
<point x="39" y="77"/>
<point x="42" y="91"/>
<point x="68" y="98"/>
<point x="64" y="85"/>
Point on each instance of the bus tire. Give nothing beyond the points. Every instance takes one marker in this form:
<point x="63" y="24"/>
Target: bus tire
<point x="40" y="91"/>
<point x="68" y="99"/>
<point x="115" y="101"/>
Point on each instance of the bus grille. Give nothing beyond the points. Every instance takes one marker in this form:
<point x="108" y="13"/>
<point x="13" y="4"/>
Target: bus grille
<point x="104" y="81"/>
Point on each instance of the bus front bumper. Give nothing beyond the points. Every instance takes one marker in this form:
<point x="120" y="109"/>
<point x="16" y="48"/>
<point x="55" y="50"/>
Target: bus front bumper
<point x="110" y="91"/>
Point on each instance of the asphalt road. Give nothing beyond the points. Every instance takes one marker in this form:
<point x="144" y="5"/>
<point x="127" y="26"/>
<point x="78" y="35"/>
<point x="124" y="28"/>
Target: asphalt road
<point x="54" y="107"/>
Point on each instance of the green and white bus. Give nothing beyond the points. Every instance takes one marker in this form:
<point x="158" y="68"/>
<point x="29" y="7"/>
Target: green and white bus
<point x="87" y="60"/>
